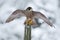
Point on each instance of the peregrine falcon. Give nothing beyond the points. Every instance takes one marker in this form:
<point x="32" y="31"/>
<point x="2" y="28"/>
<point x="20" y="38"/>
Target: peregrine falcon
<point x="30" y="14"/>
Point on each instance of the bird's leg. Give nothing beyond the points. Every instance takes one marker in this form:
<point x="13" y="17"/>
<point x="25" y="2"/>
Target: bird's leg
<point x="28" y="21"/>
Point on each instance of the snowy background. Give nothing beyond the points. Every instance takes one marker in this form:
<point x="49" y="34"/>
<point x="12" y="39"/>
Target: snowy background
<point x="14" y="30"/>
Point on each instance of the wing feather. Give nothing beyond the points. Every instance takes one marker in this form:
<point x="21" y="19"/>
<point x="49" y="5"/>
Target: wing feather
<point x="15" y="14"/>
<point x="43" y="17"/>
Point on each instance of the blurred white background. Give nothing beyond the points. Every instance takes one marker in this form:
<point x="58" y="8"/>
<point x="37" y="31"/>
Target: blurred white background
<point x="14" y="30"/>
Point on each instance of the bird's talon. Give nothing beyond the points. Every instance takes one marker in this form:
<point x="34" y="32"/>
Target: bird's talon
<point x="28" y="22"/>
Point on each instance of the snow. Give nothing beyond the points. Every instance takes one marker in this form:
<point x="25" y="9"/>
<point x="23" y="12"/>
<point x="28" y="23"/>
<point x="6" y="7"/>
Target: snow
<point x="14" y="30"/>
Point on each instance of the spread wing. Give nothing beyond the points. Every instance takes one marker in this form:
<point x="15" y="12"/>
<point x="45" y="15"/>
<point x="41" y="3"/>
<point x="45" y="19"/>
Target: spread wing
<point x="15" y="14"/>
<point x="43" y="17"/>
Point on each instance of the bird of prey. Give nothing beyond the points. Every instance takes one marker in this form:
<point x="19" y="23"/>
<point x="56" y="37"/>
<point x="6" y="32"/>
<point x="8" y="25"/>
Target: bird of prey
<point x="30" y="14"/>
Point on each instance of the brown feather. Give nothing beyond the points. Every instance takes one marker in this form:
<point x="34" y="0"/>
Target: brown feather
<point x="43" y="17"/>
<point x="15" y="14"/>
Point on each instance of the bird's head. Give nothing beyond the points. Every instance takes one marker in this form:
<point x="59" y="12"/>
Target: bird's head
<point x="29" y="9"/>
